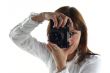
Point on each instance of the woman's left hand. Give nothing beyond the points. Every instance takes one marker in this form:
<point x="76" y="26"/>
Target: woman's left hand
<point x="59" y="54"/>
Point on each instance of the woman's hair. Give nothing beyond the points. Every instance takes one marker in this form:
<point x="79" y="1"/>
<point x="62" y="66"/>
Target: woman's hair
<point x="79" y="24"/>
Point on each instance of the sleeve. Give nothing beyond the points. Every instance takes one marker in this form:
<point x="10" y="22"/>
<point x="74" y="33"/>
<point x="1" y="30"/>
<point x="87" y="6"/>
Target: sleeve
<point x="93" y="67"/>
<point x="20" y="35"/>
<point x="65" y="70"/>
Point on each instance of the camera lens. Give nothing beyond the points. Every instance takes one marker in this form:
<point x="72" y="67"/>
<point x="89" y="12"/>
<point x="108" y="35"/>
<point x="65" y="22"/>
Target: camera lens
<point x="59" y="36"/>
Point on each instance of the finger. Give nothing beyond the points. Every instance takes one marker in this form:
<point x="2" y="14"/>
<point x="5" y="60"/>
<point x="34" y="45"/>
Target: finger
<point x="60" y="20"/>
<point x="55" y="21"/>
<point x="64" y="21"/>
<point x="70" y="22"/>
<point x="71" y="49"/>
<point x="54" y="47"/>
<point x="49" y="48"/>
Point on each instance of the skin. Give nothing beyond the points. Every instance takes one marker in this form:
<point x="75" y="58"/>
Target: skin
<point x="60" y="56"/>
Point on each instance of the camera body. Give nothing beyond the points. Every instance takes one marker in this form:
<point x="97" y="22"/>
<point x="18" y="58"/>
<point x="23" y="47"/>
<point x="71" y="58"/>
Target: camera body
<point x="59" y="36"/>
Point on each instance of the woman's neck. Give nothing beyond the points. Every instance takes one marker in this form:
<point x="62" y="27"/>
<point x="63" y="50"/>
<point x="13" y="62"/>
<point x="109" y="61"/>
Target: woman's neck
<point x="71" y="56"/>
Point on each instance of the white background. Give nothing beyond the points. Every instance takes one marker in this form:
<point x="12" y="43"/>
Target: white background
<point x="96" y="14"/>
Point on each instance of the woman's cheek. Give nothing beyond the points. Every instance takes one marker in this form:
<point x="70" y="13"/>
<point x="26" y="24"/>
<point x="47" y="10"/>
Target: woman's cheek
<point x="72" y="40"/>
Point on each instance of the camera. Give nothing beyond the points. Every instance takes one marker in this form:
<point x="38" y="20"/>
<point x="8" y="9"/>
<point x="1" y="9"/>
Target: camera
<point x="59" y="36"/>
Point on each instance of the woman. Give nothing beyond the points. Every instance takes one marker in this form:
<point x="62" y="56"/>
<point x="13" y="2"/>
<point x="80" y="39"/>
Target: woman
<point x="75" y="59"/>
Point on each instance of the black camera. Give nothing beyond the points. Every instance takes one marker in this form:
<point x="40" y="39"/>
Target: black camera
<point x="59" y="36"/>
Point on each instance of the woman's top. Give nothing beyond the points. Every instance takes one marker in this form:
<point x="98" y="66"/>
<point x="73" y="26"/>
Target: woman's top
<point x="21" y="36"/>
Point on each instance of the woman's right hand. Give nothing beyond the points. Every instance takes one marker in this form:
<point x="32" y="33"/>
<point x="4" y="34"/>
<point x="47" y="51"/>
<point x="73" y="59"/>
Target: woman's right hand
<point x="58" y="18"/>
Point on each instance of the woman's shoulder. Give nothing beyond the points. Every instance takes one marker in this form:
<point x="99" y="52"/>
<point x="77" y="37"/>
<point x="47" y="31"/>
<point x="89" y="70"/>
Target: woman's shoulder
<point x="93" y="59"/>
<point x="91" y="64"/>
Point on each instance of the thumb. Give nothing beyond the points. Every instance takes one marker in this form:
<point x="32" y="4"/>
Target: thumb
<point x="70" y="50"/>
<point x="49" y="48"/>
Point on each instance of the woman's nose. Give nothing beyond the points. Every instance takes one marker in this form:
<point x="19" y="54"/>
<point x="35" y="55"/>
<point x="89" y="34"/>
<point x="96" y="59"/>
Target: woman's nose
<point x="69" y="40"/>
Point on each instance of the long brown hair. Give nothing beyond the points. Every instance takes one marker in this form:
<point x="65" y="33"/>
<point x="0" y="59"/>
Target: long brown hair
<point x="79" y="24"/>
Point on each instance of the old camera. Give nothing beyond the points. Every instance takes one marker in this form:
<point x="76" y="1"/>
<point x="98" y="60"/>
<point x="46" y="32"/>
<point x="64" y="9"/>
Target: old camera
<point x="59" y="36"/>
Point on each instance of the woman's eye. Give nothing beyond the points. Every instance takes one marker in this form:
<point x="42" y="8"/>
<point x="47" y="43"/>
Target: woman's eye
<point x="71" y="33"/>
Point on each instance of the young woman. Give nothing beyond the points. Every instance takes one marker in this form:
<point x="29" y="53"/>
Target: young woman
<point x="75" y="59"/>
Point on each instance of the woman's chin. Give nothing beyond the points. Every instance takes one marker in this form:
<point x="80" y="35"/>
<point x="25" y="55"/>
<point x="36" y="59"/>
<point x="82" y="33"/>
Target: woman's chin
<point x="70" y="44"/>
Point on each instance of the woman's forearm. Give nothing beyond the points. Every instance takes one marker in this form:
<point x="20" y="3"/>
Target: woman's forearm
<point x="38" y="18"/>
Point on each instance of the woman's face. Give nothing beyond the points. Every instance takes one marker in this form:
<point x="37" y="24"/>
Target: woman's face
<point x="74" y="38"/>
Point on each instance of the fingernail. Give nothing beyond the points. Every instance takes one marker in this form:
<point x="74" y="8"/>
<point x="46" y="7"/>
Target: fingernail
<point x="53" y="26"/>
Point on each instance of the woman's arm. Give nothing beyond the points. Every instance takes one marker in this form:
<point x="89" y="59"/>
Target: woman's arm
<point x="20" y="35"/>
